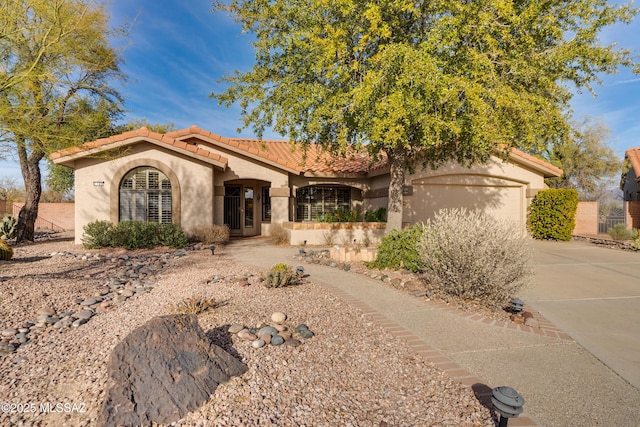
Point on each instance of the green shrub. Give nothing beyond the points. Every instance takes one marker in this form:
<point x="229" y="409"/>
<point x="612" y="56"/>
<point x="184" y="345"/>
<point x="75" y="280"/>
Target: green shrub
<point x="97" y="234"/>
<point x="278" y="234"/>
<point x="8" y="227"/>
<point x="132" y="235"/>
<point x="553" y="213"/>
<point x="476" y="257"/>
<point x="399" y="249"/>
<point x="379" y="215"/>
<point x="210" y="234"/>
<point x="620" y="232"/>
<point x="340" y="215"/>
<point x="280" y="275"/>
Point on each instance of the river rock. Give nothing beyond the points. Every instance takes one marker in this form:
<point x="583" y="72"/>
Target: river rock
<point x="278" y="317"/>
<point x="235" y="328"/>
<point x="186" y="366"/>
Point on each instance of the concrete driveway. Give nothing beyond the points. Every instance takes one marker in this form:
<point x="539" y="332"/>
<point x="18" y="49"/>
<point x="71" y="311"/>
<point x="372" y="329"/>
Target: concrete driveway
<point x="592" y="294"/>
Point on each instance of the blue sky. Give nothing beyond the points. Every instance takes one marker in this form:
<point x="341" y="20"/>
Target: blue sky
<point x="177" y="50"/>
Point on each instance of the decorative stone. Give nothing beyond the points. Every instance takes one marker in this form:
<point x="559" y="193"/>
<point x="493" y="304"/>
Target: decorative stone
<point x="277" y="340"/>
<point x="78" y="322"/>
<point x="258" y="343"/>
<point x="46" y="311"/>
<point x="292" y="342"/>
<point x="235" y="328"/>
<point x="281" y="328"/>
<point x="6" y="348"/>
<point x="278" y="317"/>
<point x="266" y="338"/>
<point x="267" y="330"/>
<point x="285" y="334"/>
<point x="305" y="333"/>
<point x="247" y="336"/>
<point x="90" y="301"/>
<point x="9" y="332"/>
<point x="84" y="314"/>
<point x="186" y="366"/>
<point x="127" y="293"/>
<point x="301" y="327"/>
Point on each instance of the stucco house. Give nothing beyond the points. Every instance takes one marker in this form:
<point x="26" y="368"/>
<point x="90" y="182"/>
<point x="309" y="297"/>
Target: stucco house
<point x="194" y="178"/>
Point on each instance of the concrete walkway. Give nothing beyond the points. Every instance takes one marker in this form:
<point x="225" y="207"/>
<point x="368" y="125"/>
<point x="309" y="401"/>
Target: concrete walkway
<point x="562" y="383"/>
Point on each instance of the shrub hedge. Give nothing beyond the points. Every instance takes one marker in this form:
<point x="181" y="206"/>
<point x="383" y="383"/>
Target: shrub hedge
<point x="132" y="235"/>
<point x="399" y="249"/>
<point x="553" y="214"/>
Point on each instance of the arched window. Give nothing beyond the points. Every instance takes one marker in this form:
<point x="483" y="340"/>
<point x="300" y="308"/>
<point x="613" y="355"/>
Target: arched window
<point x="314" y="201"/>
<point x="145" y="195"/>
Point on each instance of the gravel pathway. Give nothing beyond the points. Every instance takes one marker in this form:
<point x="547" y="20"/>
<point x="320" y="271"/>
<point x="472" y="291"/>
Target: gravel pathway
<point x="352" y="373"/>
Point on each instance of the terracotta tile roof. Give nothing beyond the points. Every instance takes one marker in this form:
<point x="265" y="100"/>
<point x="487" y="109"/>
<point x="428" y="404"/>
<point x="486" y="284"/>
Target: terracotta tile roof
<point x="135" y="136"/>
<point x="633" y="154"/>
<point x="555" y="171"/>
<point x="284" y="154"/>
<point x="276" y="152"/>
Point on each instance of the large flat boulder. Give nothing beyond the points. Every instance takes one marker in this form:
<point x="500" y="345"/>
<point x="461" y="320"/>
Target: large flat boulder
<point x="163" y="370"/>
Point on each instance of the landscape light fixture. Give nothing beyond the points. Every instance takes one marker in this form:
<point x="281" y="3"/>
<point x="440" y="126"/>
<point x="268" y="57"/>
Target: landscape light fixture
<point x="507" y="402"/>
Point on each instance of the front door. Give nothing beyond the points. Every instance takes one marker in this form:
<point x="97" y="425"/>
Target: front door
<point x="232" y="211"/>
<point x="239" y="210"/>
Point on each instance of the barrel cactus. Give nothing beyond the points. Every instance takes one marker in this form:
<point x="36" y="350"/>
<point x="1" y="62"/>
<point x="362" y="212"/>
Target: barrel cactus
<point x="6" y="251"/>
<point x="280" y="275"/>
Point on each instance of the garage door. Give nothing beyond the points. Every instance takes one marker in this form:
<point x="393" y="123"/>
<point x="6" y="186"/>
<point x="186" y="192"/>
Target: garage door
<point x="497" y="197"/>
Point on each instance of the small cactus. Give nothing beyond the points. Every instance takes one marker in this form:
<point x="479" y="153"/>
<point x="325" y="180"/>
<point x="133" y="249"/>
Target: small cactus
<point x="8" y="227"/>
<point x="6" y="251"/>
<point x="280" y="275"/>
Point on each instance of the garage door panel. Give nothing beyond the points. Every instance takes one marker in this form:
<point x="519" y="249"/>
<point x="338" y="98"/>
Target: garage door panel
<point x="499" y="201"/>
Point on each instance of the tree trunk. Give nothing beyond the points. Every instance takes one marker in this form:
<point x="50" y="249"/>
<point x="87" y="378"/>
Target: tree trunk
<point x="396" y="184"/>
<point x="29" y="212"/>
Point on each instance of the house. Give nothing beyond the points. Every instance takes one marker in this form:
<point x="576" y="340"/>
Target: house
<point x="195" y="178"/>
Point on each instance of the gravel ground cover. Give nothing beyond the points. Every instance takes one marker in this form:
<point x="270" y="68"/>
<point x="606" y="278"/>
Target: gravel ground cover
<point x="351" y="373"/>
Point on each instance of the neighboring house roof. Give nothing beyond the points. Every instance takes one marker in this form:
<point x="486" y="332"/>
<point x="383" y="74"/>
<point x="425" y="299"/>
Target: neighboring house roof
<point x="281" y="154"/>
<point x="633" y="154"/>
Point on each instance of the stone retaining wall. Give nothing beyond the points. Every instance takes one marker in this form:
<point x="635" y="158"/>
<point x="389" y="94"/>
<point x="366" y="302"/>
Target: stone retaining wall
<point x="335" y="233"/>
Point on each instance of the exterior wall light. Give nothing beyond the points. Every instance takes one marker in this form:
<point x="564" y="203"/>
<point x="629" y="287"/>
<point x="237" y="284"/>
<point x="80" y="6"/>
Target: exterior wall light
<point x="507" y="402"/>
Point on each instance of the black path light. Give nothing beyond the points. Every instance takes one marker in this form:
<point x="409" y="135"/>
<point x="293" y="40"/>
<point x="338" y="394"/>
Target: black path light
<point x="507" y="402"/>
<point x="300" y="271"/>
<point x="516" y="305"/>
<point x="213" y="249"/>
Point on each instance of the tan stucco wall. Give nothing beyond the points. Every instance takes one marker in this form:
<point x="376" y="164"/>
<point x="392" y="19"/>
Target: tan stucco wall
<point x="194" y="195"/>
<point x="497" y="188"/>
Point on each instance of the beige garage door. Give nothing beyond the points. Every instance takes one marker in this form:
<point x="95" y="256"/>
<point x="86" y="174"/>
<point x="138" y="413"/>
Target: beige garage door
<point x="502" y="201"/>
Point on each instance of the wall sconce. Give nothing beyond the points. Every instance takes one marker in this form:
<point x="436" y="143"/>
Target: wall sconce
<point x="98" y="183"/>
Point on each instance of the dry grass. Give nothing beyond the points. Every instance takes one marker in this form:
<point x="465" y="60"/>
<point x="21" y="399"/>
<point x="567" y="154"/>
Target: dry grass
<point x="210" y="234"/>
<point x="194" y="305"/>
<point x="278" y="234"/>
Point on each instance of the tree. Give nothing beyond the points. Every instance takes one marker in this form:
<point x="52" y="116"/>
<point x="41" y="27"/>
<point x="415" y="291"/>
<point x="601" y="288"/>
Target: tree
<point x="587" y="160"/>
<point x="59" y="64"/>
<point x="422" y="82"/>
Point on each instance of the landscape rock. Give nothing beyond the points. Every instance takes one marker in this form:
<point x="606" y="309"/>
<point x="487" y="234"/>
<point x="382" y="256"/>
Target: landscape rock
<point x="186" y="366"/>
<point x="278" y="317"/>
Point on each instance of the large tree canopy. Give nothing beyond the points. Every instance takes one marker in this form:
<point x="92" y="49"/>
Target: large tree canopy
<point x="56" y="72"/>
<point x="428" y="81"/>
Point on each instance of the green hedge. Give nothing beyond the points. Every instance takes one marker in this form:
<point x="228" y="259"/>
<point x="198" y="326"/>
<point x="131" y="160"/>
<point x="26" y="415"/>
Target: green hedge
<point x="399" y="249"/>
<point x="553" y="214"/>
<point x="132" y="235"/>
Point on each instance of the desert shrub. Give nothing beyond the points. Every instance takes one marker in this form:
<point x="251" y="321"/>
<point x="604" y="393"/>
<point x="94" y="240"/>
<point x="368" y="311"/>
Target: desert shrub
<point x="172" y="235"/>
<point x="132" y="235"/>
<point x="210" y="234"/>
<point x="278" y="234"/>
<point x="6" y="251"/>
<point x="553" y="213"/>
<point x="399" y="249"/>
<point x="280" y="275"/>
<point x="194" y="305"/>
<point x="379" y="215"/>
<point x="476" y="257"/>
<point x="340" y="215"/>
<point x="620" y="232"/>
<point x="8" y="227"/>
<point x="97" y="234"/>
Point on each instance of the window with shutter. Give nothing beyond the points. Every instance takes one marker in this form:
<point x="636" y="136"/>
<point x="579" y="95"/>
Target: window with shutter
<point x="145" y="195"/>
